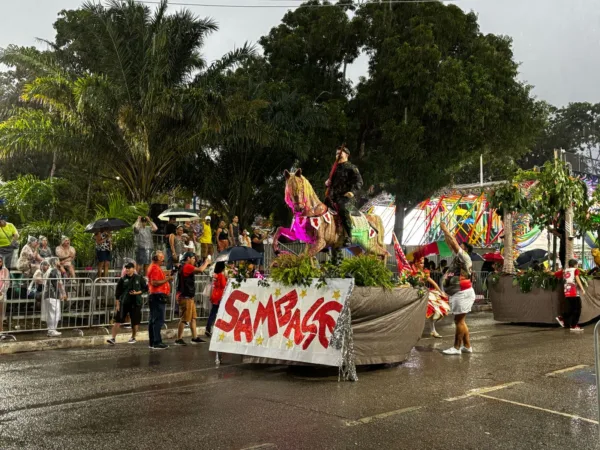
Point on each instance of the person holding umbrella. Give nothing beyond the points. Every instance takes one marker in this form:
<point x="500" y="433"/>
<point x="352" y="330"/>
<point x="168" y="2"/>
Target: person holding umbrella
<point x="103" y="239"/>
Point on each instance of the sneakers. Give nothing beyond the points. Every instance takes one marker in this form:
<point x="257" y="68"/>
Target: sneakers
<point x="435" y="334"/>
<point x="131" y="341"/>
<point x="180" y="342"/>
<point x="2" y="337"/>
<point x="111" y="341"/>
<point x="452" y="351"/>
<point x="54" y="333"/>
<point x="197" y="340"/>
<point x="560" y="321"/>
<point x="464" y="349"/>
<point x="160" y="346"/>
<point x="576" y="329"/>
<point x="208" y="333"/>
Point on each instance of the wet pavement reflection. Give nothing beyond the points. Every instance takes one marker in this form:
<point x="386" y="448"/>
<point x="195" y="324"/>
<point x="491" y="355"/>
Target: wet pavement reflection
<point x="524" y="387"/>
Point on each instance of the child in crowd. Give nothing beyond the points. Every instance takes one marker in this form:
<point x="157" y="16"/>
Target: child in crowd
<point x="573" y="291"/>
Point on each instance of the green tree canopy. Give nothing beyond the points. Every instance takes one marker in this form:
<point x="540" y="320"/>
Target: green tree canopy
<point x="134" y="109"/>
<point x="439" y="94"/>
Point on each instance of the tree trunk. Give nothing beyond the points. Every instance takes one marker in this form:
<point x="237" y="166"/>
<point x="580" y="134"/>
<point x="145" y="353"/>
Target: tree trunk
<point x="53" y="169"/>
<point x="399" y="225"/>
<point x="509" y="266"/>
<point x="569" y="243"/>
<point x="88" y="195"/>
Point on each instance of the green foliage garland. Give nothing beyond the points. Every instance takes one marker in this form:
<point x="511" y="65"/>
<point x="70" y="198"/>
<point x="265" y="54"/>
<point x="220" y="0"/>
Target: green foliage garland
<point x="367" y="271"/>
<point x="300" y="270"/>
<point x="290" y="270"/>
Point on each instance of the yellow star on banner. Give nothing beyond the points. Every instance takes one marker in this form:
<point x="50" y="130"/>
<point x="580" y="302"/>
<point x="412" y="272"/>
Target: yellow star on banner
<point x="277" y="292"/>
<point x="221" y="336"/>
<point x="303" y="293"/>
<point x="337" y="295"/>
<point x="289" y="344"/>
<point x="253" y="299"/>
<point x="259" y="340"/>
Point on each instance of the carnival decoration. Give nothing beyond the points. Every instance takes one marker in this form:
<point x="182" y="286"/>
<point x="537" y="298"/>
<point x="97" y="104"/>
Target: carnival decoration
<point x="293" y="323"/>
<point x="316" y="226"/>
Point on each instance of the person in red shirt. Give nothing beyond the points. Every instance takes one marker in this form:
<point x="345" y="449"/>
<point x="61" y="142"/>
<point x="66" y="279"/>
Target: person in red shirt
<point x="219" y="283"/>
<point x="186" y="292"/>
<point x="572" y="296"/>
<point x="159" y="287"/>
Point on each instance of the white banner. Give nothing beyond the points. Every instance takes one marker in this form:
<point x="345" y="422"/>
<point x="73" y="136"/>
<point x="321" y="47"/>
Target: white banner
<point x="291" y="323"/>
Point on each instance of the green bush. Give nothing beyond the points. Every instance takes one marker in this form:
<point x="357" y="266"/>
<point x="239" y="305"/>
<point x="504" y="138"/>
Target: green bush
<point x="294" y="270"/>
<point x="367" y="271"/>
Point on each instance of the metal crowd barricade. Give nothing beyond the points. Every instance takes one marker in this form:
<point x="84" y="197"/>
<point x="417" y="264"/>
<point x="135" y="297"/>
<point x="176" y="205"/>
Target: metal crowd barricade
<point x="203" y="304"/>
<point x="93" y="273"/>
<point x="22" y="311"/>
<point x="77" y="308"/>
<point x="103" y="301"/>
<point x="480" y="285"/>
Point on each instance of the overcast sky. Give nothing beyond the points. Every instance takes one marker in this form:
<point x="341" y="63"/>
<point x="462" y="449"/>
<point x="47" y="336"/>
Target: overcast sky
<point x="557" y="42"/>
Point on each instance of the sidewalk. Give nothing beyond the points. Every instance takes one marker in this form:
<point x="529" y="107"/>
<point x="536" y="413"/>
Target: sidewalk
<point x="92" y="337"/>
<point x="36" y="341"/>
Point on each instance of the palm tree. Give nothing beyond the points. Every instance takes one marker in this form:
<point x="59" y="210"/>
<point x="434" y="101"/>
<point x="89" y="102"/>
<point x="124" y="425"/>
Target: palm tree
<point x="135" y="110"/>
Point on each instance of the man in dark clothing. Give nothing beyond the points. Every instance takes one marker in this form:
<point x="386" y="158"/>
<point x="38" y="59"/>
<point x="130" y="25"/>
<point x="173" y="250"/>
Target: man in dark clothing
<point x="343" y="187"/>
<point x="129" y="302"/>
<point x="258" y="245"/>
<point x="186" y="291"/>
<point x="170" y="228"/>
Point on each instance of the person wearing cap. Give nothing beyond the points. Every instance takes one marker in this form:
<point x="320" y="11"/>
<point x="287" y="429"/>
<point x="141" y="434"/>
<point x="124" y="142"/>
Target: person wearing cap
<point x="9" y="241"/>
<point x="206" y="246"/>
<point x="186" y="296"/>
<point x="344" y="184"/>
<point x="128" y="294"/>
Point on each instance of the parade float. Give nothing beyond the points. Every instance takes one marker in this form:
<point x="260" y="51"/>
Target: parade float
<point x="552" y="200"/>
<point x="340" y="314"/>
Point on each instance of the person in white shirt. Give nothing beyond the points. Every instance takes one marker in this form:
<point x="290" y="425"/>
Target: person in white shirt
<point x="245" y="239"/>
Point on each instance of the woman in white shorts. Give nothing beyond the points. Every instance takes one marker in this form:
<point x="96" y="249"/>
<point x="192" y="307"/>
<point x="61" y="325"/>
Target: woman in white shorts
<point x="457" y="285"/>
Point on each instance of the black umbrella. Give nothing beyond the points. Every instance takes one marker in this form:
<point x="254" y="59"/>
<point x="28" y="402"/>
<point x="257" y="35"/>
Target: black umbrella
<point x="106" y="224"/>
<point x="525" y="259"/>
<point x="238" y="254"/>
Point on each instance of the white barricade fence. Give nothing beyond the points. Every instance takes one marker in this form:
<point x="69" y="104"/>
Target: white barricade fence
<point x="103" y="301"/>
<point x="21" y="311"/>
<point x="25" y="301"/>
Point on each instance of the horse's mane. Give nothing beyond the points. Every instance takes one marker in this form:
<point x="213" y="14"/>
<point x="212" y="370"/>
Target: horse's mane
<point x="293" y="183"/>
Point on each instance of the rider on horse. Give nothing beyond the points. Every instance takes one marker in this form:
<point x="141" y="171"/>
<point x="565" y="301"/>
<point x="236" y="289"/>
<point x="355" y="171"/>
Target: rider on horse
<point x="343" y="184"/>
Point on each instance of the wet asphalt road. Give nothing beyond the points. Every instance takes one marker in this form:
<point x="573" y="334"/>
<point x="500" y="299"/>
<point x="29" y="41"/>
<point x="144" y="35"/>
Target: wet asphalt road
<point x="130" y="397"/>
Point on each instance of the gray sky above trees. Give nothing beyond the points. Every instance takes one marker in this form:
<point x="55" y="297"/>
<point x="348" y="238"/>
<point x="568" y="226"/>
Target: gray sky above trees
<point x="557" y="41"/>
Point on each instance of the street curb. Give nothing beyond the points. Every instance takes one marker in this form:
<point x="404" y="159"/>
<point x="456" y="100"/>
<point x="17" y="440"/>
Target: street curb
<point x="9" y="347"/>
<point x="481" y="308"/>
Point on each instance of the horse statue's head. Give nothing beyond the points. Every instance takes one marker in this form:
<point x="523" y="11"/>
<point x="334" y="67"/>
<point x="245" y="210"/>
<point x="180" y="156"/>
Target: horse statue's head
<point x="298" y="192"/>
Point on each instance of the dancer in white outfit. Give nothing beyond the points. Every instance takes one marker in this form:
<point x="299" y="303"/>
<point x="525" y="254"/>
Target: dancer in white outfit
<point x="457" y="284"/>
